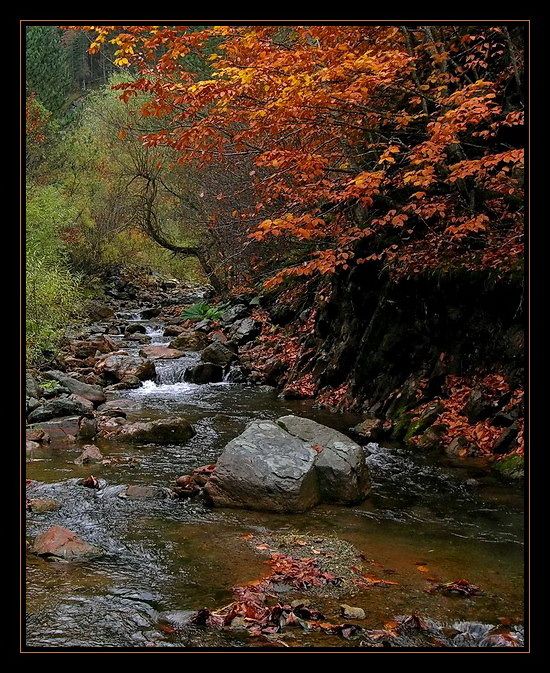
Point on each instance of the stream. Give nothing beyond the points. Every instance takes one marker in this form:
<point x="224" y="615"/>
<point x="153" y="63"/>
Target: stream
<point x="163" y="558"/>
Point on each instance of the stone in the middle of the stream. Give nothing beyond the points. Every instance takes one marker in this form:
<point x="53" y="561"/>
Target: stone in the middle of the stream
<point x="265" y="468"/>
<point x="288" y="466"/>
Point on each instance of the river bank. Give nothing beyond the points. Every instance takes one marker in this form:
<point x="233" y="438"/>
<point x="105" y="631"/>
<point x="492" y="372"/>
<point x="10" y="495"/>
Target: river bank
<point x="429" y="520"/>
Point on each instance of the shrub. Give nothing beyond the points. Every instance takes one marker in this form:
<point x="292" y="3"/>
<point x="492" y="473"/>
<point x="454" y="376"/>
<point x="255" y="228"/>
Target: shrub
<point x="52" y="301"/>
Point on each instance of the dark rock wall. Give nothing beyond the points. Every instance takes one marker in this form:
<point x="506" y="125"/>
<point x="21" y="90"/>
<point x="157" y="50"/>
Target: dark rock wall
<point x="378" y="335"/>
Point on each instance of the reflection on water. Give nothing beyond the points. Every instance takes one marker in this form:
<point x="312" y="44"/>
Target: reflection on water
<point x="172" y="555"/>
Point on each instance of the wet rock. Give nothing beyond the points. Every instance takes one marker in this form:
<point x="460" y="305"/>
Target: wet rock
<point x="89" y="347"/>
<point x="350" y="612"/>
<point x="135" y="492"/>
<point x="87" y="428"/>
<point x="40" y="505"/>
<point x="61" y="543"/>
<point x="120" y="404"/>
<point x="370" y="429"/>
<point x="206" y="372"/>
<point x="160" y="353"/>
<point x="504" y="441"/>
<point x="97" y="310"/>
<point x="189" y="341"/>
<point x="177" y="619"/>
<point x="137" y="338"/>
<point x="122" y="367"/>
<point x="31" y="403"/>
<point x="37" y="435"/>
<point x="237" y="374"/>
<point x="135" y="328"/>
<point x="218" y="354"/>
<point x="112" y="413"/>
<point x="458" y="448"/>
<point x="265" y="468"/>
<point x="131" y="383"/>
<point x="152" y="312"/>
<point x="432" y="438"/>
<point x="92" y="393"/>
<point x="510" y="467"/>
<point x="32" y="389"/>
<point x="174" y="430"/>
<point x="233" y="313"/>
<point x="62" y="430"/>
<point x="479" y="406"/>
<point x="173" y="330"/>
<point x="109" y="427"/>
<point x="56" y="408"/>
<point x="244" y="331"/>
<point x="90" y="454"/>
<point x="340" y="462"/>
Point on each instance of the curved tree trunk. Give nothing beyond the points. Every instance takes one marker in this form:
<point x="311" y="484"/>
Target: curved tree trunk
<point x="152" y="228"/>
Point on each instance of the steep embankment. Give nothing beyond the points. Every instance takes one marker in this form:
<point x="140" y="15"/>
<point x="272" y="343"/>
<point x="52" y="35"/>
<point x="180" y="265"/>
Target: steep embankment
<point x="435" y="361"/>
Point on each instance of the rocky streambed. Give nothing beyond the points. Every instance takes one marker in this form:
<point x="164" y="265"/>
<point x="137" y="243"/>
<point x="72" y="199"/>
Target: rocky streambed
<point x="129" y="546"/>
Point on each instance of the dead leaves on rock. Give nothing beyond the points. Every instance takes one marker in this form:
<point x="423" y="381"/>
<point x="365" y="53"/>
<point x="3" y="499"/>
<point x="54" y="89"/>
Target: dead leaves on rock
<point x="191" y="485"/>
<point x="298" y="572"/>
<point x="455" y="588"/>
<point x="90" y="482"/>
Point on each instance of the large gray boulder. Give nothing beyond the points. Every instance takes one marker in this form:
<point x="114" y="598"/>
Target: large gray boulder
<point x="94" y="394"/>
<point x="265" y="468"/>
<point x="340" y="462"/>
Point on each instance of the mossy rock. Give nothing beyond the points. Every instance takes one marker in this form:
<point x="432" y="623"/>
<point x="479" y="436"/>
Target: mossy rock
<point x="510" y="468"/>
<point x="402" y="424"/>
<point x="415" y="428"/>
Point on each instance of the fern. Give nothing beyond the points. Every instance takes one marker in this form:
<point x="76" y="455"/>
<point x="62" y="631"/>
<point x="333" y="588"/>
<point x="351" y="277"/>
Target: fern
<point x="201" y="311"/>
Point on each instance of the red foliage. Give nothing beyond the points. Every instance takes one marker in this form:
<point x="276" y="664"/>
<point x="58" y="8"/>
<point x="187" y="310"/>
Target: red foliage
<point x="480" y="435"/>
<point x="388" y="136"/>
<point x="298" y="572"/>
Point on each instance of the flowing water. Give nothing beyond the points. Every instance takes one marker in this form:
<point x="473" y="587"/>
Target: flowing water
<point x="163" y="558"/>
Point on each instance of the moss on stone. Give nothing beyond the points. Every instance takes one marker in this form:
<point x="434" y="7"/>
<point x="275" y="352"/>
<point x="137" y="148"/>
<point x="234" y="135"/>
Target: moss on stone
<point x="402" y="423"/>
<point x="510" y="467"/>
<point x="416" y="427"/>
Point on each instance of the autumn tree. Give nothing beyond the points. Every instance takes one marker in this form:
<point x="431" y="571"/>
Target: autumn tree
<point x="401" y="145"/>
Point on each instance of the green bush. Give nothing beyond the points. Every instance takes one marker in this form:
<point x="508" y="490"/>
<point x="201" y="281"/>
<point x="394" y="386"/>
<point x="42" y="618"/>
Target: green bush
<point x="52" y="292"/>
<point x="52" y="302"/>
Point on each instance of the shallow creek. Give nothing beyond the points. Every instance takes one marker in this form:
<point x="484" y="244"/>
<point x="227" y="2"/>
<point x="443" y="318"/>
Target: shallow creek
<point x="423" y="518"/>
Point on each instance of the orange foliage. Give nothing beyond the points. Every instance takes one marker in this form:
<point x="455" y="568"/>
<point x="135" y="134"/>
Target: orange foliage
<point x="356" y="134"/>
